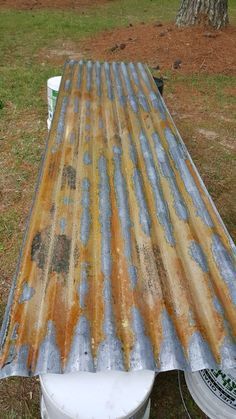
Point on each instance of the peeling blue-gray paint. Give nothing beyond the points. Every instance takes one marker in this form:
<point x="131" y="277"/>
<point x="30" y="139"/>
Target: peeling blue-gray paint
<point x="158" y="104"/>
<point x="109" y="352"/>
<point x="108" y="81"/>
<point x="142" y="353"/>
<point x="167" y="172"/>
<point x="67" y="84"/>
<point x="225" y="264"/>
<point x="228" y="350"/>
<point x="87" y="158"/>
<point x="134" y="74"/>
<point x="144" y="216"/>
<point x="86" y="214"/>
<point x="140" y="95"/>
<point x="72" y="63"/>
<point x="199" y="352"/>
<point x="132" y="151"/>
<point x="131" y="96"/>
<point x="16" y="363"/>
<point x="110" y="356"/>
<point x="143" y="102"/>
<point x="49" y="358"/>
<point x="63" y="224"/>
<point x="133" y="275"/>
<point x="27" y="293"/>
<point x="154" y="96"/>
<point x="72" y="137"/>
<point x="171" y="352"/>
<point x="218" y="306"/>
<point x="160" y="202"/>
<point x="198" y="255"/>
<point x="123" y="210"/>
<point x="67" y="200"/>
<point x="98" y="78"/>
<point x="122" y="200"/>
<point x="179" y="156"/>
<point x="76" y="105"/>
<point x="83" y="286"/>
<point x="80" y="74"/>
<point x="80" y="356"/>
<point x="119" y="88"/>
<point x="89" y="75"/>
<point x="10" y="361"/>
<point x="105" y="216"/>
<point x="144" y="75"/>
<point x="61" y="122"/>
<point x="14" y="334"/>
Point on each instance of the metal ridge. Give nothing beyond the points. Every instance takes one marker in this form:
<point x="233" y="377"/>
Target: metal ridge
<point x="126" y="263"/>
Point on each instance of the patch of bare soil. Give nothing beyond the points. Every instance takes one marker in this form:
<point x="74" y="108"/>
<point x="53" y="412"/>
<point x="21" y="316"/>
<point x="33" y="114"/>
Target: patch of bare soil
<point x="59" y="53"/>
<point x="184" y="50"/>
<point x="49" y="4"/>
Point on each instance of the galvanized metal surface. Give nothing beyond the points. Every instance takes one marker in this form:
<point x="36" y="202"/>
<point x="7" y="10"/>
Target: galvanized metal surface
<point x="126" y="263"/>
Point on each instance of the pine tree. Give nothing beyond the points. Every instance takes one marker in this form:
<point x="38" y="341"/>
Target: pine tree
<point x="209" y="12"/>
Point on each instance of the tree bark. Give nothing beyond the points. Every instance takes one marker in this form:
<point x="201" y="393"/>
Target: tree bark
<point x="209" y="12"/>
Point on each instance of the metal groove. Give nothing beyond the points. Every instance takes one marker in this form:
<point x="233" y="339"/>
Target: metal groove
<point x="126" y="263"/>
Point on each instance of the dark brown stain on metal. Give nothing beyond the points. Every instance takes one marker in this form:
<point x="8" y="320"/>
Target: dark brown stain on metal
<point x="69" y="177"/>
<point x="76" y="256"/>
<point x="168" y="280"/>
<point x="159" y="263"/>
<point x="61" y="254"/>
<point x="52" y="209"/>
<point x="38" y="250"/>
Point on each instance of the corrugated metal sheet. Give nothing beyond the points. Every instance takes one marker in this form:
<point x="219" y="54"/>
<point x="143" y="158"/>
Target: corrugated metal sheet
<point x="126" y="263"/>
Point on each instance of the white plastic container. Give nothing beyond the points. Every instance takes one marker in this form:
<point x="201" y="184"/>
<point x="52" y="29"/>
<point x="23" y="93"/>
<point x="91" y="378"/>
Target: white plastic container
<point x="102" y="395"/>
<point x="214" y="391"/>
<point x="53" y="85"/>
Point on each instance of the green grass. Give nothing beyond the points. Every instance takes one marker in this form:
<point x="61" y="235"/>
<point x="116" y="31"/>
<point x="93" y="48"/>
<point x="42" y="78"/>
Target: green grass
<point x="8" y="223"/>
<point x="23" y="34"/>
<point x="232" y="11"/>
<point x="217" y="86"/>
<point x="22" y="85"/>
<point x="26" y="31"/>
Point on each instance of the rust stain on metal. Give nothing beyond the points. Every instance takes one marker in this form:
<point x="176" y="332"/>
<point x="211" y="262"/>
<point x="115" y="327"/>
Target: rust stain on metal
<point x="126" y="263"/>
<point x="69" y="177"/>
<point x="61" y="254"/>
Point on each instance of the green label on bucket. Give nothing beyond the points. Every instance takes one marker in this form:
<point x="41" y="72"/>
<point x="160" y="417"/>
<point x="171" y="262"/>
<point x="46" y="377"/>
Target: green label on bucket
<point x="222" y="385"/>
<point x="52" y="100"/>
<point x="54" y="93"/>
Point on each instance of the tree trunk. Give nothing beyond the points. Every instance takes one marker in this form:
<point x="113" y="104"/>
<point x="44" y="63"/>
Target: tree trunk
<point x="209" y="12"/>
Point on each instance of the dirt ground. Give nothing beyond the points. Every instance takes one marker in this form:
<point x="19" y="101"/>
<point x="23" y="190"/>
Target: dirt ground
<point x="189" y="50"/>
<point x="56" y="4"/>
<point x="164" y="46"/>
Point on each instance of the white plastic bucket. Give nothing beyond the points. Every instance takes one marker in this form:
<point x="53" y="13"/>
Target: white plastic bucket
<point x="102" y="395"/>
<point x="45" y="415"/>
<point x="214" y="391"/>
<point x="53" y="85"/>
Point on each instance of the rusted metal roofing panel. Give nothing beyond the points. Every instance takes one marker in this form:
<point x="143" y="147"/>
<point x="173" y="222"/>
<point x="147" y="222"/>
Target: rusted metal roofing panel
<point x="126" y="263"/>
